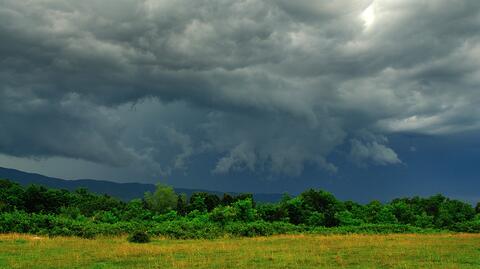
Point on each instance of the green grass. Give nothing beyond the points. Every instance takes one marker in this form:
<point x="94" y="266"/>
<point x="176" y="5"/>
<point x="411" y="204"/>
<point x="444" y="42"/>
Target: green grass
<point x="288" y="251"/>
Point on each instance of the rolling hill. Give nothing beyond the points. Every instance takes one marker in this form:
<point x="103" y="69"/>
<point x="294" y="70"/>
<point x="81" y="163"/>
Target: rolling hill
<point x="123" y="191"/>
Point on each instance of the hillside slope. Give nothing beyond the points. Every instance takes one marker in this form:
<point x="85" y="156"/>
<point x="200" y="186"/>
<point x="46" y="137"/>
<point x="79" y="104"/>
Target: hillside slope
<point x="124" y="191"/>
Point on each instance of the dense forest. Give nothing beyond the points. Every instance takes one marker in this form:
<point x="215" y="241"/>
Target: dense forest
<point x="38" y="210"/>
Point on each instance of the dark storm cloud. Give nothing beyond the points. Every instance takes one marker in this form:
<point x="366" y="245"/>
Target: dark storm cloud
<point x="268" y="85"/>
<point x="36" y="127"/>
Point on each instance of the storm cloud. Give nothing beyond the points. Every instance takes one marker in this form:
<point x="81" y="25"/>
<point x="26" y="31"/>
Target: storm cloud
<point x="265" y="86"/>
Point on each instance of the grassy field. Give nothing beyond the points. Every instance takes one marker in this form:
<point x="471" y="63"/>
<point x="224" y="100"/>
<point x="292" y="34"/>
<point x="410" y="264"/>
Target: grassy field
<point x="289" y="251"/>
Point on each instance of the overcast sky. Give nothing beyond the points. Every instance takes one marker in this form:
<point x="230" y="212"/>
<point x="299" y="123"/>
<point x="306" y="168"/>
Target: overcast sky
<point x="366" y="98"/>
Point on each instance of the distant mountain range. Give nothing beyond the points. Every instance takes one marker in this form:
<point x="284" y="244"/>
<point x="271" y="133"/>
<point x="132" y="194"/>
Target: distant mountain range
<point x="123" y="191"/>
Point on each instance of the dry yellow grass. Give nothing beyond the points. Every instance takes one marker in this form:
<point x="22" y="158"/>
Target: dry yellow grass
<point x="287" y="251"/>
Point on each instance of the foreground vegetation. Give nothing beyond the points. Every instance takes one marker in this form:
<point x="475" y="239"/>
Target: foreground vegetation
<point x="41" y="211"/>
<point x="286" y="251"/>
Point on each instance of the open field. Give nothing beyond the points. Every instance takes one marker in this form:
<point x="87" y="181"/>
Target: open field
<point x="288" y="251"/>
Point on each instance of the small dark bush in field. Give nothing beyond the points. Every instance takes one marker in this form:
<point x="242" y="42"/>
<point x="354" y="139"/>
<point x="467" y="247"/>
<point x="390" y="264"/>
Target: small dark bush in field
<point x="139" y="237"/>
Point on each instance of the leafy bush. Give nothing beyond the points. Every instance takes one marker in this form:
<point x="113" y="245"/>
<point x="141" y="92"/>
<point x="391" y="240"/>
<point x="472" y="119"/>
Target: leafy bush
<point x="139" y="237"/>
<point x="373" y="229"/>
<point x="261" y="228"/>
<point x="346" y="218"/>
<point x="423" y="220"/>
<point x="316" y="219"/>
<point x="468" y="226"/>
<point x="223" y="214"/>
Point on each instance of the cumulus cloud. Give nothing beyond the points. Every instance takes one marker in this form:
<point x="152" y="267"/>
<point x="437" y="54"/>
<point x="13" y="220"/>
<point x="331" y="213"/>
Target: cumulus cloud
<point x="265" y="85"/>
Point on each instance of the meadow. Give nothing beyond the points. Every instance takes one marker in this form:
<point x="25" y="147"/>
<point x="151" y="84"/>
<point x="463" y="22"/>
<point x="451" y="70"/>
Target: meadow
<point x="281" y="251"/>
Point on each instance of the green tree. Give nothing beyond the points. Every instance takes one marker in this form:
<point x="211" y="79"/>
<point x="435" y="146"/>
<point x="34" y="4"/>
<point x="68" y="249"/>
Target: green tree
<point x="432" y="205"/>
<point x="403" y="212"/>
<point x="245" y="210"/>
<point x="423" y="220"/>
<point x="182" y="204"/>
<point x="316" y="219"/>
<point x="357" y="210"/>
<point x="11" y="196"/>
<point x="162" y="200"/>
<point x="197" y="202"/>
<point x="453" y="211"/>
<point x="272" y="212"/>
<point x="295" y="209"/>
<point x="385" y="215"/>
<point x="371" y="211"/>
<point x="322" y="202"/>
<point x="212" y="201"/>
<point x="223" y="214"/>
<point x="346" y="218"/>
<point x="135" y="209"/>
<point x="227" y="199"/>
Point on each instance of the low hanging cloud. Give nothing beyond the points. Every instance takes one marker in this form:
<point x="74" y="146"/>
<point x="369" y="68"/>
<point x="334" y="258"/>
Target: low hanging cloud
<point x="372" y="152"/>
<point x="265" y="85"/>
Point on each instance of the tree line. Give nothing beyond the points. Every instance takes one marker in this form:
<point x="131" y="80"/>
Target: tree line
<point x="39" y="210"/>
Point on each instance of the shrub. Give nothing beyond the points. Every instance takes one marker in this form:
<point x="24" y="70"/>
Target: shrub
<point x="467" y="227"/>
<point x="261" y="228"/>
<point x="346" y="218"/>
<point x="424" y="221"/>
<point x="245" y="210"/>
<point x="187" y="229"/>
<point x="139" y="237"/>
<point x="223" y="214"/>
<point x="316" y="219"/>
<point x="373" y="229"/>
<point x="169" y="216"/>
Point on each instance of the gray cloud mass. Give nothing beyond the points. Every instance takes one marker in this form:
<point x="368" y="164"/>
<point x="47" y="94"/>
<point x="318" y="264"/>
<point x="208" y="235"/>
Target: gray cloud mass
<point x="267" y="86"/>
